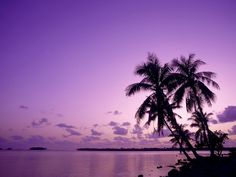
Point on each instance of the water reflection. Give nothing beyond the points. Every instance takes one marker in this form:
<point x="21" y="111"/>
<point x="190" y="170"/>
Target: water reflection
<point x="84" y="164"/>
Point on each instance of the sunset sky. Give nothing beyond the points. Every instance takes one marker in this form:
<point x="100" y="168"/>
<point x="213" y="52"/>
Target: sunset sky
<point x="64" y="67"/>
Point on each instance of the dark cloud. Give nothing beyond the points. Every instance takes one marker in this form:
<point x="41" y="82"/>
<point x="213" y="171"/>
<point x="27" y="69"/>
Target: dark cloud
<point x="72" y="132"/>
<point x="112" y="124"/>
<point x="228" y="115"/>
<point x="95" y="133"/>
<point x="125" y="124"/>
<point x="119" y="130"/>
<point x="17" y="137"/>
<point x="115" y="112"/>
<point x="40" y="123"/>
<point x="23" y="107"/>
<point x="137" y="130"/>
<point x="63" y="125"/>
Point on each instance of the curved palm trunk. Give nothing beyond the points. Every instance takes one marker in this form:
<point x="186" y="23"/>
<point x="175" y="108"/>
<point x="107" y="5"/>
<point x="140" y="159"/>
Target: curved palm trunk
<point x="180" y="144"/>
<point x="206" y="127"/>
<point x="185" y="139"/>
<point x="178" y="128"/>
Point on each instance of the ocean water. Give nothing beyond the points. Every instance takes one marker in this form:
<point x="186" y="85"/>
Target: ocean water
<point x="85" y="163"/>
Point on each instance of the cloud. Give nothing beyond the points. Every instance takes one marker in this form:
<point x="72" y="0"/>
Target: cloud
<point x="63" y="125"/>
<point x="115" y="112"/>
<point x="137" y="130"/>
<point x="90" y="138"/>
<point x="228" y="115"/>
<point x="233" y="130"/>
<point x="17" y="137"/>
<point x="112" y="124"/>
<point x="23" y="107"/>
<point x="119" y="130"/>
<point x="125" y="124"/>
<point x="72" y="132"/>
<point x="59" y="115"/>
<point x="95" y="125"/>
<point x="95" y="133"/>
<point x="153" y="136"/>
<point x="40" y="123"/>
<point x="121" y="139"/>
<point x="213" y="121"/>
<point x="2" y="140"/>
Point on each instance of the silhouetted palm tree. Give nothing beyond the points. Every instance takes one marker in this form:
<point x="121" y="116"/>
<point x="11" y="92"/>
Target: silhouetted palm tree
<point x="192" y="86"/>
<point x="177" y="140"/>
<point x="198" y="120"/>
<point x="157" y="80"/>
<point x="218" y="140"/>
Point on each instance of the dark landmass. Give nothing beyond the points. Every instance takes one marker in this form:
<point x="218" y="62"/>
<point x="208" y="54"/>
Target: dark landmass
<point x="9" y="149"/>
<point x="145" y="149"/>
<point x="38" y="148"/>
<point x="205" y="167"/>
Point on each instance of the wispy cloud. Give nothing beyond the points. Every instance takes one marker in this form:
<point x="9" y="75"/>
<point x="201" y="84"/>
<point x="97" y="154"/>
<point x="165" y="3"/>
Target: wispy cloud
<point x="63" y="125"/>
<point x="112" y="124"/>
<point x="115" y="112"/>
<point x="233" y="130"/>
<point x="137" y="130"/>
<point x="17" y="137"/>
<point x="126" y="124"/>
<point x="40" y="123"/>
<point x="72" y="132"/>
<point x="23" y="107"/>
<point x="119" y="130"/>
<point x="95" y="133"/>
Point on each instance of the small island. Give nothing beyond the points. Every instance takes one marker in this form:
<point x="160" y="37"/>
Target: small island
<point x="38" y="148"/>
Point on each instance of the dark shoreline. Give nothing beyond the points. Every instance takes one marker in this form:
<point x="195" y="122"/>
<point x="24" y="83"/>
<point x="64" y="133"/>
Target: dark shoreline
<point x="145" y="149"/>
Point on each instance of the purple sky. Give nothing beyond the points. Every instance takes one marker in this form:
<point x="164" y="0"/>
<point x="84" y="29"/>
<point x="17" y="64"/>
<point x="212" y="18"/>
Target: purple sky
<point x="64" y="66"/>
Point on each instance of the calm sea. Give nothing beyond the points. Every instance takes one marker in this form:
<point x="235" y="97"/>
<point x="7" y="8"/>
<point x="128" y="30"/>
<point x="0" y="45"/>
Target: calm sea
<point x="85" y="163"/>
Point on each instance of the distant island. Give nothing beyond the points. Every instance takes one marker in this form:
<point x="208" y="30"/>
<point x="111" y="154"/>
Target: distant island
<point x="147" y="149"/>
<point x="38" y="148"/>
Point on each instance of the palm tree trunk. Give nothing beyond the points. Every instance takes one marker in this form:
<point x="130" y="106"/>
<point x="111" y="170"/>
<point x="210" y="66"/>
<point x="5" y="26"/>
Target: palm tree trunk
<point x="180" y="144"/>
<point x="178" y="128"/>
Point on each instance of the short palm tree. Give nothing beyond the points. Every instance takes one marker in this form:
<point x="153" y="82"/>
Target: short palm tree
<point x="193" y="86"/>
<point x="177" y="140"/>
<point x="157" y="80"/>
<point x="198" y="120"/>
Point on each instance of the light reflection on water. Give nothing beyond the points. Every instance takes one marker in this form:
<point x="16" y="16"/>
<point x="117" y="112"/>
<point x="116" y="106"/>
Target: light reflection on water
<point x="85" y="163"/>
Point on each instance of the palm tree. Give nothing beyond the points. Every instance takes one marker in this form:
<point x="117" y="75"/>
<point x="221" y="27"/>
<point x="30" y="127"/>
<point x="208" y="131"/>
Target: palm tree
<point x="201" y="136"/>
<point x="192" y="86"/>
<point x="157" y="80"/>
<point x="218" y="140"/>
<point x="177" y="141"/>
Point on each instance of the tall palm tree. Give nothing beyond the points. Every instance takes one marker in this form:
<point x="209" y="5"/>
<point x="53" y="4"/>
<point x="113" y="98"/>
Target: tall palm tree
<point x="193" y="86"/>
<point x="157" y="80"/>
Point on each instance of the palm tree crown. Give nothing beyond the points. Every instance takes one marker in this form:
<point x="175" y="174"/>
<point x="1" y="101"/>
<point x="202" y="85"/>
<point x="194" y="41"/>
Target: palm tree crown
<point x="192" y="84"/>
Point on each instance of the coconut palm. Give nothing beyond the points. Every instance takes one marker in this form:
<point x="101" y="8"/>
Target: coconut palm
<point x="177" y="140"/>
<point x="157" y="80"/>
<point x="193" y="87"/>
<point x="218" y="140"/>
<point x="198" y="120"/>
